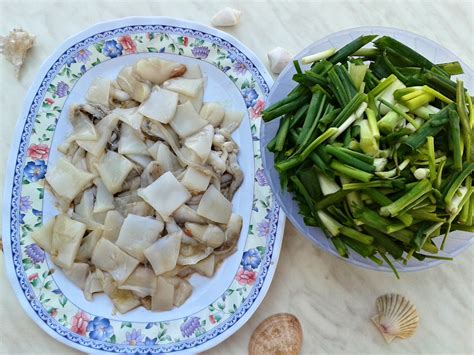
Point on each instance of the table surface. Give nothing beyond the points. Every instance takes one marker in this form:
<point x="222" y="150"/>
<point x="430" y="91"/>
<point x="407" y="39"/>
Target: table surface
<point x="333" y="300"/>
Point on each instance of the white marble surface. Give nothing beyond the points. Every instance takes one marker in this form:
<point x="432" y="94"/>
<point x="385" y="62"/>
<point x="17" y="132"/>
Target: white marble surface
<point x="332" y="299"/>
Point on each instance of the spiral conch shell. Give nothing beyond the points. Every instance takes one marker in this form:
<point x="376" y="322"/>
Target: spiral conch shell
<point x="278" y="334"/>
<point x="226" y="17"/>
<point x="14" y="47"/>
<point x="396" y="317"/>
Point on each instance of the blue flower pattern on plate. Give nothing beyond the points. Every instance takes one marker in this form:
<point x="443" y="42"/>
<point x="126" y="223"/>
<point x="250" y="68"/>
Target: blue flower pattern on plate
<point x="100" y="329"/>
<point x="250" y="97"/>
<point x="35" y="170"/>
<point x="251" y="259"/>
<point x="112" y="49"/>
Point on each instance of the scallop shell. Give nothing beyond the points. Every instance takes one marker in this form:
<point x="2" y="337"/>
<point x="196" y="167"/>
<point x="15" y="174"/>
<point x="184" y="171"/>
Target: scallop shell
<point x="280" y="333"/>
<point x="15" y="46"/>
<point x="396" y="317"/>
<point x="226" y="17"/>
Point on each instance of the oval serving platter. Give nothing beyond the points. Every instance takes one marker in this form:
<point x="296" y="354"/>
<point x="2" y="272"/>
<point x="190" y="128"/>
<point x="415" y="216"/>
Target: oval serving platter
<point x="220" y="305"/>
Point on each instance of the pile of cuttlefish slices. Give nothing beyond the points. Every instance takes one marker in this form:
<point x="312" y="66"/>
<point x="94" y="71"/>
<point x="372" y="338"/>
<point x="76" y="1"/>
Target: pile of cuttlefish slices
<point x="144" y="187"/>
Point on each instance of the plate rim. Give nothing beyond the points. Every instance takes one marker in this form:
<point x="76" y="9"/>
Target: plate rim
<point x="278" y="195"/>
<point x="15" y="149"/>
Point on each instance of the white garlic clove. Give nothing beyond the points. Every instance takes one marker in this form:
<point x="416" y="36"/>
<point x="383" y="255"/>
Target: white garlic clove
<point x="226" y="17"/>
<point x="15" y="46"/>
<point x="278" y="58"/>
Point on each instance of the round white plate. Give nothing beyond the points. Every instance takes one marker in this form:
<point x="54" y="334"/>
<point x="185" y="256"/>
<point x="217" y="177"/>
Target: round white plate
<point x="457" y="241"/>
<point x="218" y="306"/>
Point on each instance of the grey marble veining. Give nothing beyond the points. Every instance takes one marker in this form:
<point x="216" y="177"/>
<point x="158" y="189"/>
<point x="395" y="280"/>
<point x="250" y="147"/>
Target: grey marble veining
<point x="333" y="300"/>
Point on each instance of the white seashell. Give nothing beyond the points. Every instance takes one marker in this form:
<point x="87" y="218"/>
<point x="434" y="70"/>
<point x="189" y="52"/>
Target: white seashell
<point x="14" y="47"/>
<point x="396" y="317"/>
<point x="278" y="58"/>
<point x="226" y="17"/>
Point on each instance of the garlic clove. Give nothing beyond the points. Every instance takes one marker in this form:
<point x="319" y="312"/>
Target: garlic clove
<point x="15" y="46"/>
<point x="226" y="17"/>
<point x="278" y="58"/>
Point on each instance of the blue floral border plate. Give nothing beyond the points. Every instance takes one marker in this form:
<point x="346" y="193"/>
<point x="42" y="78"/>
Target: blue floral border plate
<point x="219" y="306"/>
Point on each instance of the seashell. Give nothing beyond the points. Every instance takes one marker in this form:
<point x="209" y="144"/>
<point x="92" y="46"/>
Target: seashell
<point x="396" y="317"/>
<point x="278" y="58"/>
<point x="15" y="46"/>
<point x="280" y="333"/>
<point x="226" y="17"/>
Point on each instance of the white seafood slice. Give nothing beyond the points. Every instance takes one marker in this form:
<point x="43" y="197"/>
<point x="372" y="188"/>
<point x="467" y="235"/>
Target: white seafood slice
<point x="88" y="245"/>
<point x="165" y="195"/>
<point x="213" y="113"/>
<point x="128" y="82"/>
<point x="158" y="70"/>
<point x="141" y="282"/>
<point x="187" y="121"/>
<point x="162" y="298"/>
<point x="114" y="169"/>
<point x="130" y="141"/>
<point x="160" y="106"/>
<point x="194" y="180"/>
<point x="77" y="273"/>
<point x="206" y="266"/>
<point x="67" y="236"/>
<point x="112" y="225"/>
<point x="99" y="92"/>
<point x="184" y="86"/>
<point x="215" y="206"/>
<point x="137" y="234"/>
<point x="43" y="235"/>
<point x="66" y="180"/>
<point x="201" y="142"/>
<point x="163" y="254"/>
<point x="109" y="257"/>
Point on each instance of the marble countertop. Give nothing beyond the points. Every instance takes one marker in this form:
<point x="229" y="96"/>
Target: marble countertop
<point x="333" y="300"/>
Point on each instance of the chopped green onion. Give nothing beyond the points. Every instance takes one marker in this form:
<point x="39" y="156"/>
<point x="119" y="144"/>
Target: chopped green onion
<point x="383" y="85"/>
<point x="318" y="56"/>
<point x="349" y="159"/>
<point x="400" y="112"/>
<point x="284" y="109"/>
<point x="330" y="223"/>
<point x="454" y="186"/>
<point x="464" y="120"/>
<point x="350" y="48"/>
<point x="349" y="109"/>
<point x="431" y="158"/>
<point x="436" y="94"/>
<point x="297" y="66"/>
<point x="351" y="172"/>
<point x="420" y="189"/>
<point x="389" y="182"/>
<point x="356" y="235"/>
<point x="455" y="135"/>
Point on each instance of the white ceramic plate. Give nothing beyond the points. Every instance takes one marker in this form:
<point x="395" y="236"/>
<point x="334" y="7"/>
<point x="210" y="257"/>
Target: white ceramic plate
<point x="218" y="306"/>
<point x="457" y="241"/>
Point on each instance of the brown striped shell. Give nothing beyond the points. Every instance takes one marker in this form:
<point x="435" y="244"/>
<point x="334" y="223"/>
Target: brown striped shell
<point x="280" y="333"/>
<point x="396" y="317"/>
